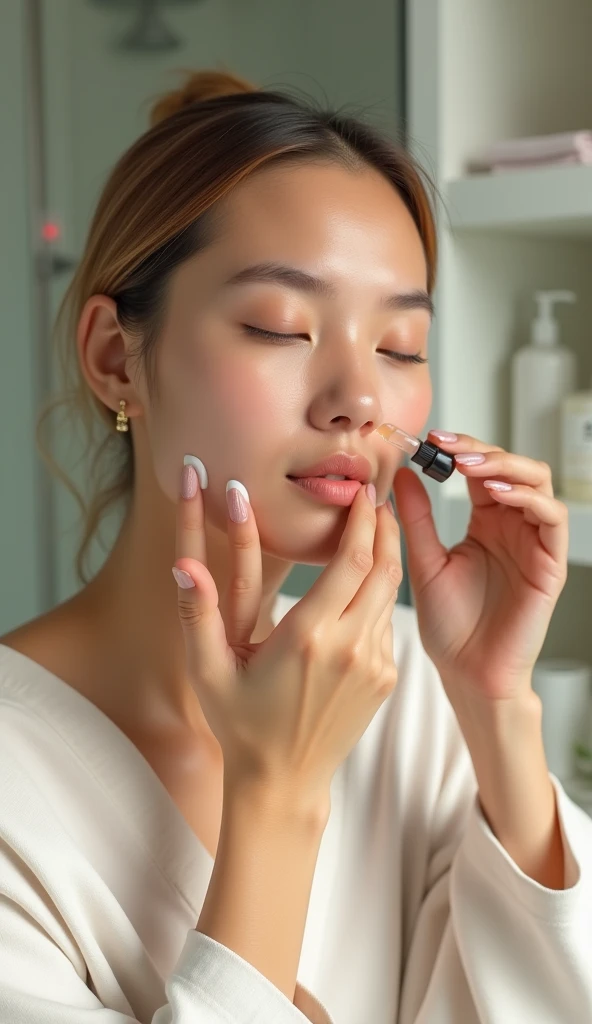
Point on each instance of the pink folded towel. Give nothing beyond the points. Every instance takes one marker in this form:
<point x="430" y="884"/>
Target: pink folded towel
<point x="558" y="161"/>
<point x="536" y="151"/>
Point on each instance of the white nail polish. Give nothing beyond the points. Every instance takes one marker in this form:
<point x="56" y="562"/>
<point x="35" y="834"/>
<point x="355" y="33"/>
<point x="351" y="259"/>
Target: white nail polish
<point x="192" y="460"/>
<point x="240" y="487"/>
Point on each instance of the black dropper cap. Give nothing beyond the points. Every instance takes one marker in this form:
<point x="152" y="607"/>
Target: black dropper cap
<point x="436" y="463"/>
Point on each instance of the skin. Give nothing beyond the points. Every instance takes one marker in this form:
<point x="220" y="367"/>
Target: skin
<point x="250" y="409"/>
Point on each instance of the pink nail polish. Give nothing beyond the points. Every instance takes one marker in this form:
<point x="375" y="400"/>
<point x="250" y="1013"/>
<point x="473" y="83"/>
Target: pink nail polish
<point x="189" y="482"/>
<point x="470" y="458"/>
<point x="237" y="508"/>
<point x="497" y="485"/>
<point x="371" y="492"/>
<point x="445" y="435"/>
<point x="183" y="578"/>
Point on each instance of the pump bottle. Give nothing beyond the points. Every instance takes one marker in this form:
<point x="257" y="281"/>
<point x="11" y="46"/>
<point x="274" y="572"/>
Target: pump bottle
<point x="543" y="373"/>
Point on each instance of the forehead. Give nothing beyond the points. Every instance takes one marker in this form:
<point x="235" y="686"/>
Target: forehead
<point x="322" y="216"/>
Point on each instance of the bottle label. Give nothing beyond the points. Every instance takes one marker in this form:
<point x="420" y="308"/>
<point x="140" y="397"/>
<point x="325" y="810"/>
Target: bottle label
<point x="577" y="446"/>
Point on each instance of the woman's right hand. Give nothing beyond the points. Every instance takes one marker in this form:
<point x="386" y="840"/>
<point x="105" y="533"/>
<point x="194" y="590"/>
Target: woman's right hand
<point x="289" y="710"/>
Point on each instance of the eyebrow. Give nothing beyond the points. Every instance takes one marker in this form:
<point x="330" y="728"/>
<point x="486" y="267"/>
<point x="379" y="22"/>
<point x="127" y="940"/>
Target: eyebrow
<point x="291" y="277"/>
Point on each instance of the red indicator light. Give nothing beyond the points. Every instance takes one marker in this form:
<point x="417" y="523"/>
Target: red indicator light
<point x="50" y="231"/>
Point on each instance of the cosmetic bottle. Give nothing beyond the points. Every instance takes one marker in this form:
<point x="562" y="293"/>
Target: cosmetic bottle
<point x="576" y="446"/>
<point x="435" y="462"/>
<point x="543" y="373"/>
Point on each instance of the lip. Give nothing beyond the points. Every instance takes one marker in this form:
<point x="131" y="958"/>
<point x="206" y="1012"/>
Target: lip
<point x="330" y="492"/>
<point x="355" y="467"/>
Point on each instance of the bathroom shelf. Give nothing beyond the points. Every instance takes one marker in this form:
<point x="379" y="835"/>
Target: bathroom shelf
<point x="549" y="202"/>
<point x="478" y="74"/>
<point x="580" y="527"/>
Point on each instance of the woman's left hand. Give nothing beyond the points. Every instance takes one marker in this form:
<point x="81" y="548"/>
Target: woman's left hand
<point x="484" y="606"/>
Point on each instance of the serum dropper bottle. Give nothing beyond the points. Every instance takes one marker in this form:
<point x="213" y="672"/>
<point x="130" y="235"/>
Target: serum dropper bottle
<point x="435" y="462"/>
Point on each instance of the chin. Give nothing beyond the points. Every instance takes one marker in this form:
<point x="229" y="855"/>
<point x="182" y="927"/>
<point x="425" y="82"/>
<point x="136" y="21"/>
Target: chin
<point x="306" y="545"/>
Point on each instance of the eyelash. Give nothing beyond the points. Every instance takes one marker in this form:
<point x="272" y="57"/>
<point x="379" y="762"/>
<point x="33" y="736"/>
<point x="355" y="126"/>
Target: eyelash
<point x="396" y="357"/>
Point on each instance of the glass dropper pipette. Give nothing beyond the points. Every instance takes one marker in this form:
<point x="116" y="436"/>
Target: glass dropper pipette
<point x="435" y="462"/>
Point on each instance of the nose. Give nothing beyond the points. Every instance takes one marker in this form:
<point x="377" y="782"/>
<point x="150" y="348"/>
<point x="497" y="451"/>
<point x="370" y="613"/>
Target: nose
<point x="346" y="396"/>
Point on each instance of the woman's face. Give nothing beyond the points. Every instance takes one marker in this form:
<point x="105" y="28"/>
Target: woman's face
<point x="259" y="409"/>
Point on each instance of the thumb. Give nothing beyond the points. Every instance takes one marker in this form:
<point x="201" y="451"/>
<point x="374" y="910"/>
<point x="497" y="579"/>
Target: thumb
<point x="202" y="624"/>
<point x="426" y="555"/>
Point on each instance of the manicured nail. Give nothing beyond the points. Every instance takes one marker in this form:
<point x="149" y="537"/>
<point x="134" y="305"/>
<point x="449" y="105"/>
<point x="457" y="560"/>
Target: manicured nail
<point x="470" y="459"/>
<point x="236" y="495"/>
<point x="200" y="469"/>
<point x="189" y="482"/>
<point x="371" y="492"/>
<point x="497" y="485"/>
<point x="445" y="435"/>
<point x="183" y="578"/>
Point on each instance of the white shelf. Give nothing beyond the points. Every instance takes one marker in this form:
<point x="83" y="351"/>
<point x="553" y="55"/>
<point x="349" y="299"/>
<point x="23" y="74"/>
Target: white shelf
<point x="550" y="201"/>
<point x="479" y="73"/>
<point x="580" y="527"/>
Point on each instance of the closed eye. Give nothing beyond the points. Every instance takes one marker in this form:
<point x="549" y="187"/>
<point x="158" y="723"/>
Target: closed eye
<point x="273" y="335"/>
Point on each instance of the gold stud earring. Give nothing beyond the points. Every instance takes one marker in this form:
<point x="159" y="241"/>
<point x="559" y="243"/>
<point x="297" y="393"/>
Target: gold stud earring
<point x="122" y="419"/>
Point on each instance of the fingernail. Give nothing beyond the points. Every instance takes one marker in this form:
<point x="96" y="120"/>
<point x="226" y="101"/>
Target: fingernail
<point x="445" y="435"/>
<point x="371" y="492"/>
<point x="236" y="495"/>
<point x="470" y="459"/>
<point x="189" y="482"/>
<point x="183" y="578"/>
<point x="192" y="460"/>
<point x="391" y="509"/>
<point x="497" y="485"/>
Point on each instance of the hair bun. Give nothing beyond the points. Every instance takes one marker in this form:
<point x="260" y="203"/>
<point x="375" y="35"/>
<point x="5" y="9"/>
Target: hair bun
<point x="198" y="86"/>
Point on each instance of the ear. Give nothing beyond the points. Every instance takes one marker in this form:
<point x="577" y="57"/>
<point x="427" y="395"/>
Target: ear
<point x="104" y="351"/>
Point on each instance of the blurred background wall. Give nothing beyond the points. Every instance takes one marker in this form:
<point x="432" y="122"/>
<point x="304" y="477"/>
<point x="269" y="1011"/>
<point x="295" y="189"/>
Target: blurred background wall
<point x="95" y="98"/>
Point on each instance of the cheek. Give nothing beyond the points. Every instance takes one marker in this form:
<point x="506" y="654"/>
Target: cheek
<point x="410" y="407"/>
<point x="222" y="411"/>
<point x="250" y="405"/>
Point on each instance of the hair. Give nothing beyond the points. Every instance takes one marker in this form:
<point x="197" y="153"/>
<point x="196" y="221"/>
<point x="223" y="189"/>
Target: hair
<point x="157" y="210"/>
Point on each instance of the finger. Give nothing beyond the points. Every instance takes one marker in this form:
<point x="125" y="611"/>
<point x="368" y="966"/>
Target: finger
<point x="385" y="620"/>
<point x="464" y="444"/>
<point x="378" y="592"/>
<point x="461" y="442"/>
<point x="549" y="514"/>
<point x="207" y="651"/>
<point x="190" y="540"/>
<point x="205" y="638"/>
<point x="340" y="580"/>
<point x="388" y="650"/>
<point x="387" y="614"/>
<point x="242" y="600"/>
<point x="426" y="555"/>
<point x="513" y="468"/>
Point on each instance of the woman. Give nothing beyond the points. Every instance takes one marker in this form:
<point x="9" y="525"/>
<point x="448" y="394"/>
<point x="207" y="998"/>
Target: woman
<point x="223" y="804"/>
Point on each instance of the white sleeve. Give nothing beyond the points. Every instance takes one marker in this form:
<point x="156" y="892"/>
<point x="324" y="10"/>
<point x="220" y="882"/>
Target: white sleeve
<point x="43" y="980"/>
<point x="490" y="945"/>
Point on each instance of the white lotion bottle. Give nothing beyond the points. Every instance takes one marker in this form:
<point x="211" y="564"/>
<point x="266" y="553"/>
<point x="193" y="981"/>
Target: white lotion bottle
<point x="576" y="446"/>
<point x="543" y="374"/>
